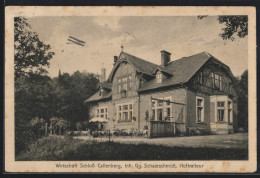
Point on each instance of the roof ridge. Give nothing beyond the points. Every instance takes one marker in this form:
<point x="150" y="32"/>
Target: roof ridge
<point x="140" y="58"/>
<point x="189" y="57"/>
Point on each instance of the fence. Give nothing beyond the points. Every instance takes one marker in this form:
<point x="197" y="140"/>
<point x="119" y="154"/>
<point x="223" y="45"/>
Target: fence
<point x="161" y="129"/>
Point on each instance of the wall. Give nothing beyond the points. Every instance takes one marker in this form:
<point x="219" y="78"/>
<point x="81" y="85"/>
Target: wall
<point x="94" y="106"/>
<point x="124" y="70"/>
<point x="191" y="111"/>
<point x="127" y="125"/>
<point x="177" y="94"/>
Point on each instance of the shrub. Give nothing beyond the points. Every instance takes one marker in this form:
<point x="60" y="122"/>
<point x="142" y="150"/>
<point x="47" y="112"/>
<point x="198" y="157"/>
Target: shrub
<point x="24" y="136"/>
<point x="48" y="148"/>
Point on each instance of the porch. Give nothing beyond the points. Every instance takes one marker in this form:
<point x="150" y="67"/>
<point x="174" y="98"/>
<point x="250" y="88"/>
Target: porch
<point x="167" y="118"/>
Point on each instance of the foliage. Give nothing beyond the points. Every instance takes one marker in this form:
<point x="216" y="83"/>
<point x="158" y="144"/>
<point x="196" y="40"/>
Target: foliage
<point x="64" y="148"/>
<point x="37" y="122"/>
<point x="37" y="125"/>
<point x="24" y="136"/>
<point x="53" y="123"/>
<point x="242" y="84"/>
<point x="70" y="92"/>
<point x="63" y="124"/>
<point x="31" y="55"/>
<point x="59" y="100"/>
<point x="79" y="126"/>
<point x="47" y="148"/>
<point x="233" y="25"/>
<point x="146" y="115"/>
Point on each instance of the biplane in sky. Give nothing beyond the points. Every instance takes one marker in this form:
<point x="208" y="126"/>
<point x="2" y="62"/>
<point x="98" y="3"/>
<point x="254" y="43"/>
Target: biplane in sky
<point x="73" y="40"/>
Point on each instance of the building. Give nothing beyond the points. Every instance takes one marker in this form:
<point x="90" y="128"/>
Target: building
<point x="194" y="94"/>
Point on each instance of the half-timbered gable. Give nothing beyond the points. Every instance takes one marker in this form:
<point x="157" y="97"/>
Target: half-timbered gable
<point x="214" y="78"/>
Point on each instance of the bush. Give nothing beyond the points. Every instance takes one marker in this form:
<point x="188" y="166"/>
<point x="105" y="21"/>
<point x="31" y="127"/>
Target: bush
<point x="48" y="148"/>
<point x="24" y="136"/>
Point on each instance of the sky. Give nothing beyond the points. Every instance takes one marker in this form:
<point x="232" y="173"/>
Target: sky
<point x="141" y="36"/>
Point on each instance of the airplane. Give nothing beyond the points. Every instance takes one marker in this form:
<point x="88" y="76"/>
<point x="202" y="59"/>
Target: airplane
<point x="75" y="41"/>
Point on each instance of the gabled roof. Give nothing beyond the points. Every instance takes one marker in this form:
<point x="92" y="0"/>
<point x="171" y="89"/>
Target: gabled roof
<point x="183" y="69"/>
<point x="163" y="69"/>
<point x="105" y="85"/>
<point x="96" y="97"/>
<point x="141" y="65"/>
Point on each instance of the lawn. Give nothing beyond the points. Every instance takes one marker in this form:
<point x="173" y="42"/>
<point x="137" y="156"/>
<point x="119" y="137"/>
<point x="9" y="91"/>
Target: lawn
<point x="65" y="148"/>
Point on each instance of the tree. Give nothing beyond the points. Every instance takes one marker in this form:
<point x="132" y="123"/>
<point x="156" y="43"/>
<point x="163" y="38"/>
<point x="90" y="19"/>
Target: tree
<point x="32" y="98"/>
<point x="233" y="25"/>
<point x="242" y="84"/>
<point x="70" y="92"/>
<point x="31" y="55"/>
<point x="53" y="125"/>
<point x="62" y="125"/>
<point x="37" y="124"/>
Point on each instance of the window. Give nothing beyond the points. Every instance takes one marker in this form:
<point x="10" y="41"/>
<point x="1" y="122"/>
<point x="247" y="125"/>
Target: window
<point x="119" y="85"/>
<point x="217" y="81"/>
<point x="220" y="110"/>
<point x="199" y="109"/>
<point x="153" y="114"/>
<point x="159" y="114"/>
<point x="223" y="108"/>
<point x="158" y="77"/>
<point x="101" y="91"/>
<point x="124" y="83"/>
<point x="212" y="80"/>
<point x="162" y="110"/>
<point x="125" y="113"/>
<point x="230" y="116"/>
<point x="101" y="112"/>
<point x="153" y="110"/>
<point x="200" y="78"/>
<point x="220" y="83"/>
<point x="159" y="110"/>
<point x="131" y="82"/>
<point x="168" y="110"/>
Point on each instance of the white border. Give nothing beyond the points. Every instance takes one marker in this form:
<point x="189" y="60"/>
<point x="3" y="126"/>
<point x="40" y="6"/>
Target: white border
<point x="49" y="166"/>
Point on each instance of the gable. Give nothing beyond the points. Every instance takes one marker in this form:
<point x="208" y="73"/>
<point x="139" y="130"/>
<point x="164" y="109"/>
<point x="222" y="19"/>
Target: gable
<point x="140" y="65"/>
<point x="214" y="77"/>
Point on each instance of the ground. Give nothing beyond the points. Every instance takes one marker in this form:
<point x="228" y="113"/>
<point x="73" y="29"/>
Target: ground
<point x="239" y="140"/>
<point x="67" y="148"/>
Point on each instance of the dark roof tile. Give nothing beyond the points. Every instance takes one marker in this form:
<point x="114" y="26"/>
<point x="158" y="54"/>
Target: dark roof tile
<point x="141" y="65"/>
<point x="96" y="97"/>
<point x="183" y="69"/>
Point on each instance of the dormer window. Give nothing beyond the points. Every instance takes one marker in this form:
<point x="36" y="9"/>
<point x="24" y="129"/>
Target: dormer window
<point x="158" y="77"/>
<point x="101" y="91"/>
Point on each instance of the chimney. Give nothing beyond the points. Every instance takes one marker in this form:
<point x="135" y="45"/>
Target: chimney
<point x="115" y="59"/>
<point x="165" y="58"/>
<point x="103" y="75"/>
